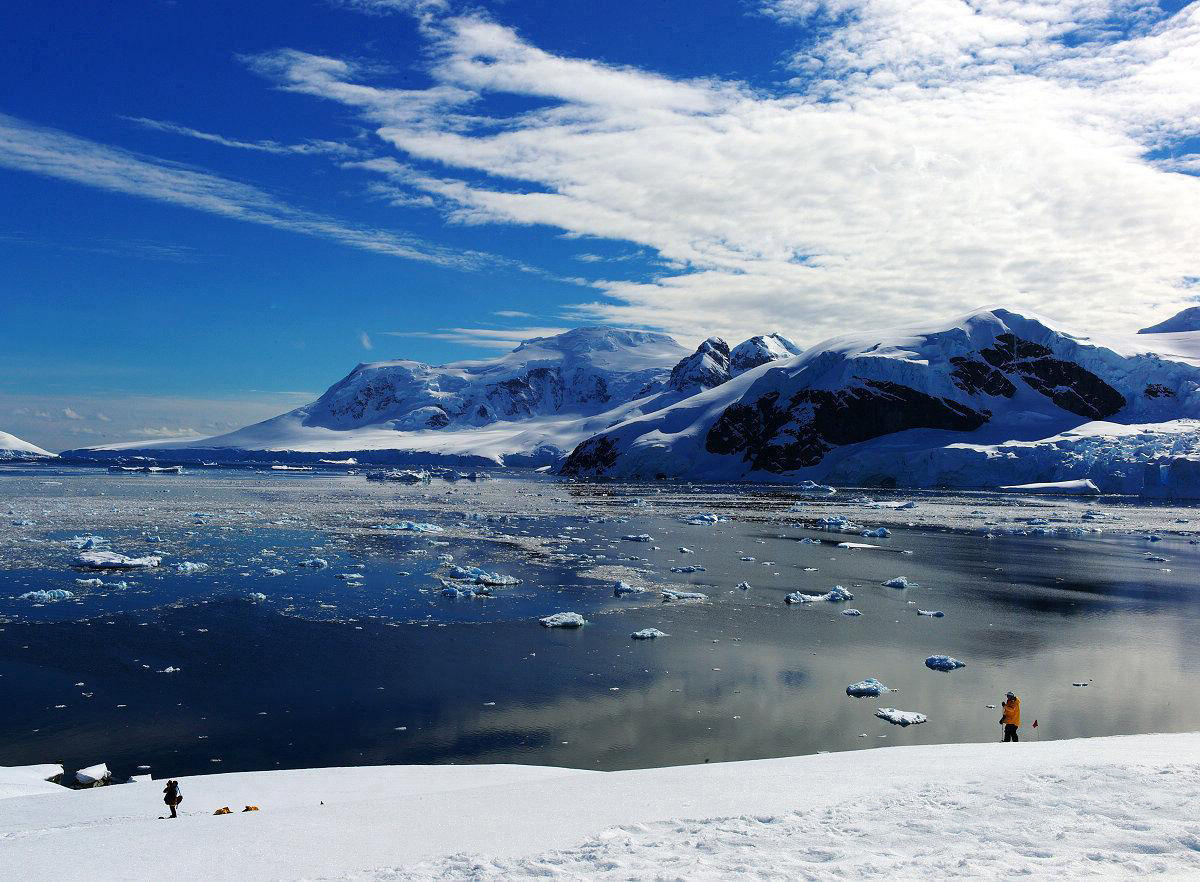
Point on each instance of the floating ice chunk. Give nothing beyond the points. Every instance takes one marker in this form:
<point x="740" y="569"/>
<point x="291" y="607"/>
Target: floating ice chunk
<point x="838" y="524"/>
<point x="638" y="537"/>
<point x="89" y="583"/>
<point x="93" y="775"/>
<point x="187" y="568"/>
<point x="110" y="560"/>
<point x="869" y="687"/>
<point x="273" y="571"/>
<point x="256" y="596"/>
<point x="690" y="568"/>
<point x="836" y="594"/>
<point x="669" y="596"/>
<point x="877" y="533"/>
<point x="622" y="589"/>
<point x="50" y="596"/>
<point x="747" y="557"/>
<point x="647" y="634"/>
<point x="411" y="527"/>
<point x="932" y="613"/>
<point x="316" y="563"/>
<point x="563" y="620"/>
<point x="706" y="519"/>
<point x="943" y="663"/>
<point x="170" y="669"/>
<point x="1081" y="487"/>
<point x="856" y="545"/>
<point x="899" y="717"/>
<point x="479" y="577"/>
<point x="86" y="543"/>
<point x="402" y="476"/>
<point x="744" y="586"/>
<point x="851" y="612"/>
<point x="685" y="550"/>
<point x="900" y="582"/>
<point x="807" y="541"/>
<point x="812" y="488"/>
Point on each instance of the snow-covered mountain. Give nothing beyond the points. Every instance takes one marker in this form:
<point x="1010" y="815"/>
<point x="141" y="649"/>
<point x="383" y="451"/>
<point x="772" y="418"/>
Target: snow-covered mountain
<point x="760" y="350"/>
<point x="930" y="406"/>
<point x="13" y="448"/>
<point x="530" y="405"/>
<point x="1184" y="320"/>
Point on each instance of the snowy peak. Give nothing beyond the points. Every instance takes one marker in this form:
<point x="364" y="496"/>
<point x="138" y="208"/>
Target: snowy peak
<point x="1185" y="320"/>
<point x="759" y="351"/>
<point x="13" y="448"/>
<point x="705" y="368"/>
<point x="580" y="341"/>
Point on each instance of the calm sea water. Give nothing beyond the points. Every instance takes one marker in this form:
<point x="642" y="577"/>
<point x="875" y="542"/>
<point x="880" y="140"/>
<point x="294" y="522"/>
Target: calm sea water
<point x="186" y="673"/>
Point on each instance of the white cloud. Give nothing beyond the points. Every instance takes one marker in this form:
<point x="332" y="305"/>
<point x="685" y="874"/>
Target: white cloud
<point x="365" y="339"/>
<point x="57" y="154"/>
<point x="313" y="146"/>
<point x="487" y="338"/>
<point x="928" y="158"/>
<point x="71" y="414"/>
<point x="512" y="313"/>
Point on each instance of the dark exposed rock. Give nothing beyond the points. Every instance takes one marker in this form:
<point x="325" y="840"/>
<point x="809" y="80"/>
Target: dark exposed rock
<point x="974" y="377"/>
<point x="1158" y="390"/>
<point x="1071" y="387"/>
<point x="777" y="438"/>
<point x="593" y="456"/>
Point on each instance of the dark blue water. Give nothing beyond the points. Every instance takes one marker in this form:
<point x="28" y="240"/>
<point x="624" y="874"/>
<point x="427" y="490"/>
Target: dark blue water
<point x="188" y="673"/>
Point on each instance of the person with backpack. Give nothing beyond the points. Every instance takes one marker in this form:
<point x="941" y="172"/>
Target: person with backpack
<point x="172" y="796"/>
<point x="1010" y="717"/>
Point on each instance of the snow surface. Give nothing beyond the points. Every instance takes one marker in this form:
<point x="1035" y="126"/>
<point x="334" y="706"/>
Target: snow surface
<point x="1112" y="807"/>
<point x="28" y="780"/>
<point x="12" y="447"/>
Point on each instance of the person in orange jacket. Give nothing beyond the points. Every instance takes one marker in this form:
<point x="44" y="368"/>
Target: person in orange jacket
<point x="1010" y="717"/>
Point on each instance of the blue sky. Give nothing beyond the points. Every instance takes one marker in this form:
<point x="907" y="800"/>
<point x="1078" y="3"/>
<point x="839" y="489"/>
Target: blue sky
<point x="213" y="211"/>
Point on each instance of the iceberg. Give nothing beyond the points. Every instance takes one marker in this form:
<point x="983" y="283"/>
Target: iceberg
<point x="943" y="663"/>
<point x="50" y="596"/>
<point x="93" y="776"/>
<point x="563" y="620"/>
<point x="870" y="687"/>
<point x="670" y="596"/>
<point x="932" y="613"/>
<point x="411" y="527"/>
<point x="900" y="582"/>
<point x="647" y="634"/>
<point x="110" y="560"/>
<point x="899" y="717"/>
<point x="836" y="594"/>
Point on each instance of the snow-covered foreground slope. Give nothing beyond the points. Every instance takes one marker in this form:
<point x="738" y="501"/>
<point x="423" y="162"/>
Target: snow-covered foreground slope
<point x="12" y="447"/>
<point x="987" y="399"/>
<point x="1117" y="807"/>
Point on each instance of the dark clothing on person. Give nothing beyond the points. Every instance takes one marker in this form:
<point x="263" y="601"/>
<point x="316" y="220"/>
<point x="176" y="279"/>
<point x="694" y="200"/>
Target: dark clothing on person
<point x="1010" y="732"/>
<point x="172" y="797"/>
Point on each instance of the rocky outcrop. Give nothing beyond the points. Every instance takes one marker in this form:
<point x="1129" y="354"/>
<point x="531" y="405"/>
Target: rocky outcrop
<point x="760" y="350"/>
<point x="705" y="368"/>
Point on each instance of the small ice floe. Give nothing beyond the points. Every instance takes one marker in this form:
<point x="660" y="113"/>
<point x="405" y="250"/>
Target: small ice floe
<point x="449" y="589"/>
<point x="836" y="594"/>
<point x="110" y="560"/>
<point x="90" y="583"/>
<point x="479" y="577"/>
<point x="743" y="586"/>
<point x="638" y="537"/>
<point x="943" y="663"/>
<point x="50" y="596"/>
<point x="86" y="543"/>
<point x="1080" y="487"/>
<point x="256" y="596"/>
<point x="1079" y="684"/>
<point x="685" y="550"/>
<point x="411" y="527"/>
<point x="868" y="688"/>
<point x="838" y="524"/>
<point x="707" y="519"/>
<point x="170" y="669"/>
<point x="93" y="776"/>
<point x="900" y="582"/>
<point x="563" y="620"/>
<point x="273" y="571"/>
<point x="289" y="468"/>
<point x="857" y="545"/>
<point x="896" y="505"/>
<point x="669" y="596"/>
<point x="647" y="634"/>
<point x="316" y="563"/>
<point x="1154" y="558"/>
<point x="812" y="488"/>
<point x="187" y="567"/>
<point x="402" y="476"/>
<point x="851" y="612"/>
<point x="807" y="541"/>
<point x="932" y="613"/>
<point x="877" y="533"/>
<point x="747" y="558"/>
<point x="899" y="717"/>
<point x="624" y="589"/>
<point x="690" y="568"/>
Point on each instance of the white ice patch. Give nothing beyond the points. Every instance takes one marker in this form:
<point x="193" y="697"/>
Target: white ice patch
<point x="563" y="620"/>
<point x="899" y="717"/>
<point x="647" y="634"/>
<point x="110" y="560"/>
<point x="868" y="688"/>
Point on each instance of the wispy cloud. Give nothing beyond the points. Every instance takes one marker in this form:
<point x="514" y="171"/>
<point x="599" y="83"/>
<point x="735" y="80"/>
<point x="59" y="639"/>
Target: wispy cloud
<point x="60" y="155"/>
<point x="365" y="339"/>
<point x="313" y="146"/>
<point x="512" y="313"/>
<point x="938" y="154"/>
<point x="71" y="414"/>
<point x="487" y="338"/>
